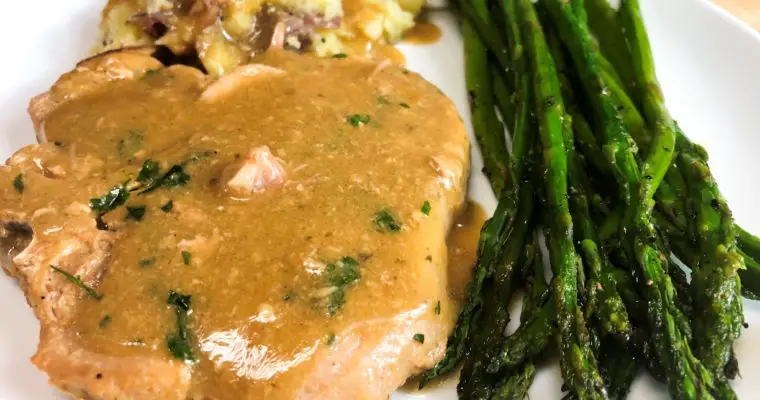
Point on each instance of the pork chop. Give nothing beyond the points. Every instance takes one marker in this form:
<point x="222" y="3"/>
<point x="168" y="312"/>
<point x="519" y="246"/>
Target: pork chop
<point x="277" y="233"/>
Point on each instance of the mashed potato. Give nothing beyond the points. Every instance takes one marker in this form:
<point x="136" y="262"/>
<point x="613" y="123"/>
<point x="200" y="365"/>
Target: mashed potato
<point x="226" y="33"/>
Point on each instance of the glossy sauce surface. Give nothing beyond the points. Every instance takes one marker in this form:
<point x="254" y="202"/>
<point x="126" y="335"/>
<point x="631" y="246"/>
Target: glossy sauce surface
<point x="423" y="33"/>
<point x="357" y="142"/>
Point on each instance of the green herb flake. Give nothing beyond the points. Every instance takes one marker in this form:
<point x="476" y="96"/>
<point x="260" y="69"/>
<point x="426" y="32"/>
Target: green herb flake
<point x="418" y="337"/>
<point x="437" y="308"/>
<point x="383" y="100"/>
<point x="149" y="177"/>
<point x="104" y="322"/>
<point x="146" y="262"/>
<point x="340" y="55"/>
<point x="186" y="257"/>
<point x="136" y="213"/>
<point x="336" y="301"/>
<point x="115" y="198"/>
<point x="330" y="339"/>
<point x="176" y="299"/>
<point x="18" y="183"/>
<point x="58" y="143"/>
<point x="405" y="105"/>
<point x="176" y="176"/>
<point x="357" y="120"/>
<point x="179" y="342"/>
<point x="289" y="296"/>
<point x="384" y="221"/>
<point x="75" y="280"/>
<point x="148" y="172"/>
<point x="340" y="275"/>
<point x="425" y="208"/>
<point x="343" y="272"/>
<point x="168" y="206"/>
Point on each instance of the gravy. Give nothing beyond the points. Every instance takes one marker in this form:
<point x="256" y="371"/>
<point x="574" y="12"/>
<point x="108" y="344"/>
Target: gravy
<point x="303" y="280"/>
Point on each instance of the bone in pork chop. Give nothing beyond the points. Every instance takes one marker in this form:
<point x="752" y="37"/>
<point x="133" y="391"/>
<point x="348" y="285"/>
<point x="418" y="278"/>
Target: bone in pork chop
<point x="277" y="233"/>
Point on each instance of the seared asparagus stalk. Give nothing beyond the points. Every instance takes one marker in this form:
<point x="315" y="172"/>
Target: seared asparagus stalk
<point x="716" y="288"/>
<point x="488" y="130"/>
<point x="577" y="362"/>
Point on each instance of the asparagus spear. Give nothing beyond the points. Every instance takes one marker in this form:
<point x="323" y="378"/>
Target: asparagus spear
<point x="577" y="39"/>
<point x="517" y="381"/>
<point x="538" y="289"/>
<point x="686" y="376"/>
<point x="522" y="120"/>
<point x="503" y="95"/>
<point x="496" y="230"/>
<point x="602" y="19"/>
<point x="682" y="248"/>
<point x="578" y="364"/>
<point x="750" y="277"/>
<point x="601" y="288"/>
<point x="474" y="384"/>
<point x="489" y="132"/>
<point x="618" y="365"/>
<point x="515" y="387"/>
<point x="715" y="282"/>
<point x="749" y="243"/>
<point x="528" y="341"/>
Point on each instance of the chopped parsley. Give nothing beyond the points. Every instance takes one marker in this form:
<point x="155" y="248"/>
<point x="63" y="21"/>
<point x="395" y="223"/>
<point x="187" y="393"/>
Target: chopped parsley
<point x="340" y="275"/>
<point x="437" y="308"/>
<point x="357" y="120"/>
<point x="418" y="337"/>
<point x="115" y="198"/>
<point x="18" y="183"/>
<point x="168" y="206"/>
<point x="330" y="339"/>
<point x="340" y="55"/>
<point x="343" y="272"/>
<point x="75" y="280"/>
<point x="146" y="262"/>
<point x="148" y="172"/>
<point x="425" y="208"/>
<point x="186" y="257"/>
<point x="176" y="176"/>
<point x="383" y="100"/>
<point x="136" y="213"/>
<point x="179" y="342"/>
<point x="149" y="177"/>
<point x="289" y="296"/>
<point x="405" y="105"/>
<point x="104" y="322"/>
<point x="384" y="221"/>
<point x="58" y="143"/>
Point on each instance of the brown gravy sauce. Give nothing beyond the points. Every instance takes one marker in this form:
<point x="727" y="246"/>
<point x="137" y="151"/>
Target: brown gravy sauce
<point x="463" y="246"/>
<point x="258" y="269"/>
<point x="373" y="50"/>
<point x="423" y="32"/>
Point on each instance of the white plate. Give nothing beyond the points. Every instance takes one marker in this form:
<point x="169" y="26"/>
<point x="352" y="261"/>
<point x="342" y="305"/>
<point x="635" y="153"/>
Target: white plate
<point x="707" y="62"/>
